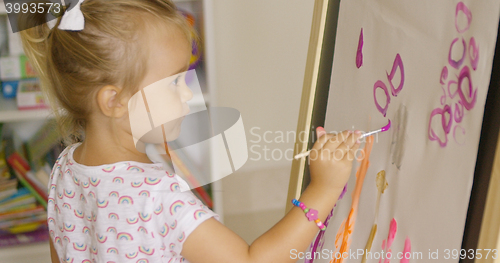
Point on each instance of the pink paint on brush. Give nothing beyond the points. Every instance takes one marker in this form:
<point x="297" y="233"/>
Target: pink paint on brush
<point x="383" y="129"/>
<point x="386" y="127"/>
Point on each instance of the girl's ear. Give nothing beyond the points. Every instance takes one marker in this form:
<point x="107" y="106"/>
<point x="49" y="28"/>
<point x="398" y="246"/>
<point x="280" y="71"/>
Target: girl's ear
<point x="110" y="103"/>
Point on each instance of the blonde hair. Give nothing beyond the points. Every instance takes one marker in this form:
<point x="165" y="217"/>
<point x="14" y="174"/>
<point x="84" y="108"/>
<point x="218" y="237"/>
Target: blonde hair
<point x="74" y="65"/>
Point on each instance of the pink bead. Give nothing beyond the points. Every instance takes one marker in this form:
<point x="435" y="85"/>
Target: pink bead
<point x="312" y="214"/>
<point x="302" y="206"/>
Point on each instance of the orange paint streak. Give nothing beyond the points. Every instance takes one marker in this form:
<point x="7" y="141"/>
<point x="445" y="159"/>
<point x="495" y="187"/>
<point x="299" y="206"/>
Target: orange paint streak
<point x="343" y="239"/>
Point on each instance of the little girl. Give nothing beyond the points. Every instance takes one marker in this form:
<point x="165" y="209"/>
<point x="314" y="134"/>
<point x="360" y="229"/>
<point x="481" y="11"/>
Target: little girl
<point x="107" y="201"/>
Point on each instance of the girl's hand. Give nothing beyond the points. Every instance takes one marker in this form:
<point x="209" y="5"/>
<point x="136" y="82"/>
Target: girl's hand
<point x="213" y="242"/>
<point x="330" y="160"/>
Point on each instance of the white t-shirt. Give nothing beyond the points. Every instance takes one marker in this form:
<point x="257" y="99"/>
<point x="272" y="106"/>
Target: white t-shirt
<point x="123" y="212"/>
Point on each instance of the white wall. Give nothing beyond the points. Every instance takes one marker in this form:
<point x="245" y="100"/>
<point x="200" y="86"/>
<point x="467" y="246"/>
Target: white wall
<point x="260" y="55"/>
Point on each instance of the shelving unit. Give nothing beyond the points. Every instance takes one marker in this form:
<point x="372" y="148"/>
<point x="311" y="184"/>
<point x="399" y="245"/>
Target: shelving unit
<point x="21" y="118"/>
<point x="10" y="113"/>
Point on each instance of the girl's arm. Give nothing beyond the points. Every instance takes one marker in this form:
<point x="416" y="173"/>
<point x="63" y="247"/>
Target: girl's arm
<point x="213" y="242"/>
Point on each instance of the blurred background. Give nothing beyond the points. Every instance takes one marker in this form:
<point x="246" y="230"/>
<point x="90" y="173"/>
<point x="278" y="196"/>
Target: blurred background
<point x="251" y="57"/>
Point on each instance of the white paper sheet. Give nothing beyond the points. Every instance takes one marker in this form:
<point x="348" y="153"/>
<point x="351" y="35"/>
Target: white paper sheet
<point x="429" y="194"/>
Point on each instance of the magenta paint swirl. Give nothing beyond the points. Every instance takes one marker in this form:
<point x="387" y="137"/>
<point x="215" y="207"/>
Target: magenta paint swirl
<point x="359" y="53"/>
<point x="458" y="63"/>
<point x="473" y="53"/>
<point x="444" y="75"/>
<point x="459" y="112"/>
<point x="445" y="124"/>
<point x="398" y="63"/>
<point x="462" y="7"/>
<point x="452" y="94"/>
<point x="381" y="85"/>
<point x="465" y="73"/>
<point x="455" y="107"/>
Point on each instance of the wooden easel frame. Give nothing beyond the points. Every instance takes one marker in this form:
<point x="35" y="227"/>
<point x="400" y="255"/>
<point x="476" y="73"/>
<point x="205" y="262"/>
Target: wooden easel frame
<point x="482" y="228"/>
<point x="315" y="91"/>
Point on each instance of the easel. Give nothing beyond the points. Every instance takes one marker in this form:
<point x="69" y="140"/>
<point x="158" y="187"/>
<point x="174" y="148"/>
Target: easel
<point x="482" y="229"/>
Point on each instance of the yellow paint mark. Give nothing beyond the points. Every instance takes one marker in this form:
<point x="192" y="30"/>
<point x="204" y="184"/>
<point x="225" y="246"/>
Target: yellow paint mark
<point x="381" y="182"/>
<point x="369" y="243"/>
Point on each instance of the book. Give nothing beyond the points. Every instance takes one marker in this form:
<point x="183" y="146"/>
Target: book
<point x="8" y="184"/>
<point x="22" y="197"/>
<point x="20" y="213"/>
<point x="43" y="175"/>
<point x="14" y="225"/>
<point x="7" y="193"/>
<point x="41" y="145"/>
<point x="20" y="167"/>
<point x="30" y="176"/>
<point x="4" y="169"/>
<point x="39" y="235"/>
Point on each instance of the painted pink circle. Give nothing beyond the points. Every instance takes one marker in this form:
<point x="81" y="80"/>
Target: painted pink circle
<point x="381" y="85"/>
<point x="462" y="7"/>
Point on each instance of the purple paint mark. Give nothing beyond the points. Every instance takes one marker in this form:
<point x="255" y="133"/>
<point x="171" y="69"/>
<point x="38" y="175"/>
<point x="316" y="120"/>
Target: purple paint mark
<point x="462" y="7"/>
<point x="406" y="251"/>
<point x="320" y="238"/>
<point x="465" y="73"/>
<point x="473" y="53"/>
<point x="452" y="94"/>
<point x="380" y="84"/>
<point x="343" y="193"/>
<point x="455" y="134"/>
<point x="398" y="63"/>
<point x="444" y="75"/>
<point x="359" y="54"/>
<point x="466" y="100"/>
<point x="446" y="124"/>
<point x="458" y="63"/>
<point x="459" y="112"/>
<point x="443" y="98"/>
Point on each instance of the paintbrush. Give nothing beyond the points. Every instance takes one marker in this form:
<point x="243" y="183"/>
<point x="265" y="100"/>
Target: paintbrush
<point x="383" y="129"/>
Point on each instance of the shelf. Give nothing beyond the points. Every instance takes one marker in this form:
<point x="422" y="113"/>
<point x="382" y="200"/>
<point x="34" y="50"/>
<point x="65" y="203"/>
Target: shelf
<point x="10" y="113"/>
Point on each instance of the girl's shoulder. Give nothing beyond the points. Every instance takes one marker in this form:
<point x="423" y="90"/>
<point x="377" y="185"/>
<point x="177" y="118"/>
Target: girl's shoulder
<point x="126" y="174"/>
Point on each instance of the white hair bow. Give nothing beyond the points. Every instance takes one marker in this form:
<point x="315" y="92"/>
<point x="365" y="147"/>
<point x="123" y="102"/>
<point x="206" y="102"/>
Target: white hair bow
<point x="73" y="19"/>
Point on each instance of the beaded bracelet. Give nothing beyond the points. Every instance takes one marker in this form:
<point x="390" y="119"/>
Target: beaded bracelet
<point x="311" y="214"/>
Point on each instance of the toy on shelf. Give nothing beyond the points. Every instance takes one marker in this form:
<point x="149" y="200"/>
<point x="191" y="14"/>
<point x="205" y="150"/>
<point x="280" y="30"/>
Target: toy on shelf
<point x="196" y="45"/>
<point x="15" y="68"/>
<point x="30" y="96"/>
